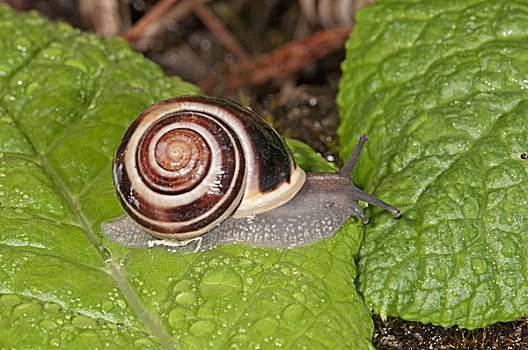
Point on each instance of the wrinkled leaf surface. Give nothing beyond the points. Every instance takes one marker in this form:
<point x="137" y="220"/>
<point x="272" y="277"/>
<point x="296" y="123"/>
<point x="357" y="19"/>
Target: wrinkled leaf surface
<point x="444" y="87"/>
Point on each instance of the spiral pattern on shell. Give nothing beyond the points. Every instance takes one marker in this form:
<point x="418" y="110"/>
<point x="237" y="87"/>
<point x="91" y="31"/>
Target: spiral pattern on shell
<point x="187" y="163"/>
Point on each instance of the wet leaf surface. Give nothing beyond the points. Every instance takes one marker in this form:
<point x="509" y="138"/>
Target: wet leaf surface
<point x="443" y="86"/>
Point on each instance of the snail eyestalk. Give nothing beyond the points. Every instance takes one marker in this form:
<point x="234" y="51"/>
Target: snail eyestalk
<point x="350" y="164"/>
<point x="358" y="194"/>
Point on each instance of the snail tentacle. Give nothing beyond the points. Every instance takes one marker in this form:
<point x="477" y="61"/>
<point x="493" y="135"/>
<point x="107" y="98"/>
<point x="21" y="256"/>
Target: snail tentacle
<point x="350" y="164"/>
<point x="358" y="194"/>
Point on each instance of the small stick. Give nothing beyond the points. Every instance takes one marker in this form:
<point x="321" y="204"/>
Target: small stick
<point x="156" y="12"/>
<point x="285" y="59"/>
<point x="215" y="26"/>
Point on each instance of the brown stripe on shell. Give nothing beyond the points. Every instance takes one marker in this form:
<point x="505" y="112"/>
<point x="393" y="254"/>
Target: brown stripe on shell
<point x="184" y="228"/>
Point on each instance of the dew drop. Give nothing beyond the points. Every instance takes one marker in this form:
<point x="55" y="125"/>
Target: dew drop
<point x="143" y="343"/>
<point x="510" y="281"/>
<point x="186" y="298"/>
<point x="285" y="271"/>
<point x="25" y="309"/>
<point x="203" y="328"/>
<point x="31" y="88"/>
<point x="121" y="303"/>
<point x="10" y="300"/>
<point x="9" y="98"/>
<point x="84" y="322"/>
<point x="105" y="252"/>
<point x="52" y="53"/>
<point x="5" y="70"/>
<point x="176" y="317"/>
<point x="293" y="312"/>
<point x="479" y="266"/>
<point x="52" y="308"/>
<point x="55" y="342"/>
<point x="508" y="249"/>
<point x="47" y="325"/>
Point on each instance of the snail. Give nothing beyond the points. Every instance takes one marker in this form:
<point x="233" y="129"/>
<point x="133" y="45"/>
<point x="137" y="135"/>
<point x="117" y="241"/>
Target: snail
<point x="194" y="172"/>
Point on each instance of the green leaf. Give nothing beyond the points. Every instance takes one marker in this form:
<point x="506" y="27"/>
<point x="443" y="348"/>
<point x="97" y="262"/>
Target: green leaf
<point x="442" y="89"/>
<point x="308" y="159"/>
<point x="66" y="99"/>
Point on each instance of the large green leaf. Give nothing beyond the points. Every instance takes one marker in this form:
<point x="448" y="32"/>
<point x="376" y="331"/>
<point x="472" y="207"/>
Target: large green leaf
<point x="444" y="86"/>
<point x="66" y="99"/>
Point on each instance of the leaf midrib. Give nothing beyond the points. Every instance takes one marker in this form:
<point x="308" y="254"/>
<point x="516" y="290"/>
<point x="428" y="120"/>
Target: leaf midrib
<point x="129" y="293"/>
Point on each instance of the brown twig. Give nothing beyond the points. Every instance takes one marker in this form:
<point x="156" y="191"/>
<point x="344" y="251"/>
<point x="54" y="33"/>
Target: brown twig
<point x="208" y="18"/>
<point x="156" y="12"/>
<point x="286" y="59"/>
<point x="148" y="34"/>
<point x="216" y="27"/>
<point x="102" y="16"/>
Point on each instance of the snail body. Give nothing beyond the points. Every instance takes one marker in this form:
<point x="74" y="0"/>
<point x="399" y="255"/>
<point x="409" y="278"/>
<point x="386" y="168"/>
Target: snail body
<point x="195" y="172"/>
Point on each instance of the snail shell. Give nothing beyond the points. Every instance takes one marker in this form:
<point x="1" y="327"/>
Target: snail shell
<point x="200" y="169"/>
<point x="188" y="163"/>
